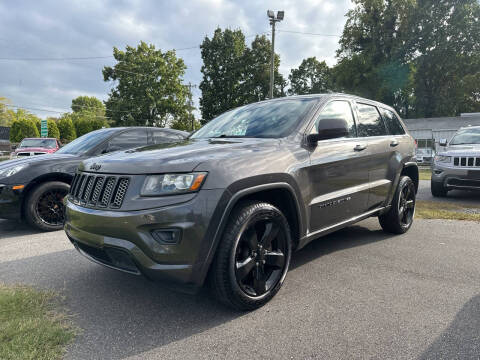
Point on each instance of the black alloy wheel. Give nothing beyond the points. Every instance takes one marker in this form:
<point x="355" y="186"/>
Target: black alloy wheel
<point x="253" y="256"/>
<point x="50" y="208"/>
<point x="399" y="218"/>
<point x="260" y="257"/>
<point x="43" y="207"/>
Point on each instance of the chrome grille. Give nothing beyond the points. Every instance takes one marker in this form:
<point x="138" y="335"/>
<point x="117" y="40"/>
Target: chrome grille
<point x="99" y="191"/>
<point x="120" y="193"/>
<point x="466" y="161"/>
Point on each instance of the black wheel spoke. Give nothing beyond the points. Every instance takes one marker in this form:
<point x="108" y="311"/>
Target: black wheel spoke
<point x="275" y="259"/>
<point x="245" y="267"/>
<point x="259" y="280"/>
<point x="271" y="232"/>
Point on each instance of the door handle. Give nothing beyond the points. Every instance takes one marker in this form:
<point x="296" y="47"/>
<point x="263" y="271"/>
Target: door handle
<point x="360" y="147"/>
<point x="394" y="143"/>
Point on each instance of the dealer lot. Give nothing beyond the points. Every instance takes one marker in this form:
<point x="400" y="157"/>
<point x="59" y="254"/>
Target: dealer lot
<point x="358" y="293"/>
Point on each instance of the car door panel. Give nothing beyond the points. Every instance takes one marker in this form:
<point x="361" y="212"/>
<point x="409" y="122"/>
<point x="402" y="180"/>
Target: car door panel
<point x="339" y="181"/>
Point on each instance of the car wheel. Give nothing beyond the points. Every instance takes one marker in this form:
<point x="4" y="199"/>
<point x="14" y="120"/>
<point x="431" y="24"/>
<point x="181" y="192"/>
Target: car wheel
<point x="402" y="211"/>
<point x="437" y="189"/>
<point x="253" y="257"/>
<point x="44" y="207"/>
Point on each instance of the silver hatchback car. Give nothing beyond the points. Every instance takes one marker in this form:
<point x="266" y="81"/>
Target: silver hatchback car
<point x="458" y="165"/>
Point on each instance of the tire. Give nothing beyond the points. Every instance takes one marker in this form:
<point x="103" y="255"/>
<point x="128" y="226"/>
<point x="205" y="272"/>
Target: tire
<point x="399" y="218"/>
<point x="44" y="206"/>
<point x="253" y="256"/>
<point x="437" y="189"/>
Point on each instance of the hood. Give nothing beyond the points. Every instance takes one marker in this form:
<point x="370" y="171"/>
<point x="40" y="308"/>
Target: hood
<point x="462" y="150"/>
<point x="35" y="159"/>
<point x="34" y="149"/>
<point x="182" y="156"/>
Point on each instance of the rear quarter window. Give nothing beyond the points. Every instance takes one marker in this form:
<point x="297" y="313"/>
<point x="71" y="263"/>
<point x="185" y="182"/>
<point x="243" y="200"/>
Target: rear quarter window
<point x="393" y="123"/>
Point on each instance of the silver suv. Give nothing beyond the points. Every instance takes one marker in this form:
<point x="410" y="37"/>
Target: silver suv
<point x="458" y="165"/>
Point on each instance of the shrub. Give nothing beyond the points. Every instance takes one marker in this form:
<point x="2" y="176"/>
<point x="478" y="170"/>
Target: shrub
<point x="21" y="129"/>
<point x="66" y="128"/>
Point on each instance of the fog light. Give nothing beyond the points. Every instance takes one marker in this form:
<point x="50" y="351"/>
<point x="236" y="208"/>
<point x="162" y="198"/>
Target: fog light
<point x="167" y="236"/>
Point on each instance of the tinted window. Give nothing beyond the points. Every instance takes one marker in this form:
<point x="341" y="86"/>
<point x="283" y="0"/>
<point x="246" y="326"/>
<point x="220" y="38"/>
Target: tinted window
<point x="370" y="122"/>
<point x="160" y="137"/>
<point x="271" y="119"/>
<point x="393" y="123"/>
<point x="86" y="142"/>
<point x="337" y="110"/>
<point x="128" y="139"/>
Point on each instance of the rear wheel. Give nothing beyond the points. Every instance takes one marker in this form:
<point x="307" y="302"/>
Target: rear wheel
<point x="402" y="211"/>
<point x="44" y="207"/>
<point x="438" y="190"/>
<point x="253" y="257"/>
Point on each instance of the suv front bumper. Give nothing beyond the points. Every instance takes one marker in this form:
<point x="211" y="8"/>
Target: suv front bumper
<point x="456" y="177"/>
<point x="124" y="240"/>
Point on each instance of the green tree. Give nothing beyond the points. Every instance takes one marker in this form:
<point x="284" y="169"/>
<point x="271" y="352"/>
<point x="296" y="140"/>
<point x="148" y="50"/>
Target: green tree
<point x="311" y="77"/>
<point x="256" y="72"/>
<point x="86" y="121"/>
<point x="66" y="128"/>
<point x="372" y="59"/>
<point x="149" y="88"/>
<point x="223" y="72"/>
<point x="88" y="103"/>
<point x="446" y="51"/>
<point x="23" y="128"/>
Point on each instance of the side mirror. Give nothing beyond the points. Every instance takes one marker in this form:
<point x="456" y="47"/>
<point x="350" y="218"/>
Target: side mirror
<point x="443" y="142"/>
<point x="14" y="147"/>
<point x="329" y="129"/>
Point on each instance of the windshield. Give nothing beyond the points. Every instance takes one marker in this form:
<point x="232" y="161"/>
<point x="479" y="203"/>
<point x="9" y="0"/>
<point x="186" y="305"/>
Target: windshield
<point x="273" y="119"/>
<point x="85" y="142"/>
<point x="466" y="136"/>
<point x="38" y="143"/>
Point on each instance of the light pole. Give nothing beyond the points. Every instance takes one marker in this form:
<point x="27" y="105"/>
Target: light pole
<point x="273" y="20"/>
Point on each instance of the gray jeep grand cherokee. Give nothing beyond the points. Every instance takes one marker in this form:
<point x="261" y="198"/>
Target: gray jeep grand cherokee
<point x="236" y="198"/>
<point x="457" y="166"/>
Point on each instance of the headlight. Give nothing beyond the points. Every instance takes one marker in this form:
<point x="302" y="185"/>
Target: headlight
<point x="443" y="159"/>
<point x="169" y="184"/>
<point x="12" y="170"/>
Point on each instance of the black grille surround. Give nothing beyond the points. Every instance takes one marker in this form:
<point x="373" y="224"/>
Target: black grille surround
<point x="99" y="190"/>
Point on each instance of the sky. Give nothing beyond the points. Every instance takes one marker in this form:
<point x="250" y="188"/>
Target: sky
<point x="47" y="29"/>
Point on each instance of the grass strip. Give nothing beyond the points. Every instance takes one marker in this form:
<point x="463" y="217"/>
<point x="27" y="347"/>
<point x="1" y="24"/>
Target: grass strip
<point x="447" y="211"/>
<point x="30" y="327"/>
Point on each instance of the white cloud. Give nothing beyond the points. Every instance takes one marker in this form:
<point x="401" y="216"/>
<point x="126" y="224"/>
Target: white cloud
<point x="79" y="28"/>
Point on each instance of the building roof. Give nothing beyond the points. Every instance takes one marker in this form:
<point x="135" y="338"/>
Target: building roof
<point x="443" y="123"/>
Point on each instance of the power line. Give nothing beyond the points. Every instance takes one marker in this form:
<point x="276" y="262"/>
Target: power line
<point x="307" y="33"/>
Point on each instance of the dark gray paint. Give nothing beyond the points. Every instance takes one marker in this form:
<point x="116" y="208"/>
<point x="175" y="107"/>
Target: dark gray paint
<point x="332" y="184"/>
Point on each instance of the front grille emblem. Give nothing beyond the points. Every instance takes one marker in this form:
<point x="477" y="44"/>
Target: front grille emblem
<point x="95" y="166"/>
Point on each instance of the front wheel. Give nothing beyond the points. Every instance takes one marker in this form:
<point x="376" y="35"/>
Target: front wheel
<point x="402" y="211"/>
<point x="44" y="206"/>
<point x="253" y="257"/>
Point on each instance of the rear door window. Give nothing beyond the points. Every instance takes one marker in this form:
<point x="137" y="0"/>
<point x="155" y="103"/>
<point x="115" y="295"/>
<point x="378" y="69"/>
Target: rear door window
<point x="370" y="123"/>
<point x="128" y="139"/>
<point x="393" y="122"/>
<point x="160" y="137"/>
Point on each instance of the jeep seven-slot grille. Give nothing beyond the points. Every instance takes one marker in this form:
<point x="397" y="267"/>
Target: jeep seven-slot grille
<point x="101" y="191"/>
<point x="464" y="161"/>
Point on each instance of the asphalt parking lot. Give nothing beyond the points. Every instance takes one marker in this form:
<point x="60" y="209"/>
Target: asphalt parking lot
<point x="358" y="293"/>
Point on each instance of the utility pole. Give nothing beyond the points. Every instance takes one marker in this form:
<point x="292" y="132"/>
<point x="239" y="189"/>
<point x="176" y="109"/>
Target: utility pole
<point x="273" y="19"/>
<point x="190" y="103"/>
